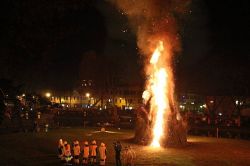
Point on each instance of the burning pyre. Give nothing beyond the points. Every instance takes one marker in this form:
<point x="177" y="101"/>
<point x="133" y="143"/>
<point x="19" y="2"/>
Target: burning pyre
<point x="159" y="85"/>
<point x="154" y="21"/>
<point x="164" y="122"/>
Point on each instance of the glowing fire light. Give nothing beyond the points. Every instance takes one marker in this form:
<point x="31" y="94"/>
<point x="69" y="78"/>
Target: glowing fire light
<point x="159" y="84"/>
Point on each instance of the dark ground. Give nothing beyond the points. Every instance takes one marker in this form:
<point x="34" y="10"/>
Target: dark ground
<point x="41" y="149"/>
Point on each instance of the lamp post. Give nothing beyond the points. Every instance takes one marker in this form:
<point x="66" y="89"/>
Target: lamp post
<point x="87" y="95"/>
<point x="48" y="96"/>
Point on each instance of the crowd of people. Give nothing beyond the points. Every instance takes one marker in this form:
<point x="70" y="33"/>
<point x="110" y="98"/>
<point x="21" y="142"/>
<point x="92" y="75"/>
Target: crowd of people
<point x="91" y="154"/>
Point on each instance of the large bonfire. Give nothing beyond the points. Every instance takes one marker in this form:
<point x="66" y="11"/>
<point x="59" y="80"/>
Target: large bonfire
<point x="160" y="124"/>
<point x="160" y="85"/>
<point x="154" y="21"/>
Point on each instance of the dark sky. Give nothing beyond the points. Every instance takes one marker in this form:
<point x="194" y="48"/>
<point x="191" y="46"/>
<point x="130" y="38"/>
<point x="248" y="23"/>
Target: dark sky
<point x="52" y="44"/>
<point x="216" y="54"/>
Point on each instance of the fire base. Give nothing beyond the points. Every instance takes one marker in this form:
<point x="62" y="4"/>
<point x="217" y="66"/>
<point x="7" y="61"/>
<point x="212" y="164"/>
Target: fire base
<point x="175" y="132"/>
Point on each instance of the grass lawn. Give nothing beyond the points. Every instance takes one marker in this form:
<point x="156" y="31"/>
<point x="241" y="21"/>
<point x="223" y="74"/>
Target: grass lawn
<point x="41" y="149"/>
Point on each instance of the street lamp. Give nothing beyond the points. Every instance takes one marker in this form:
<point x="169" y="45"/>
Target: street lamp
<point x="47" y="94"/>
<point x="87" y="95"/>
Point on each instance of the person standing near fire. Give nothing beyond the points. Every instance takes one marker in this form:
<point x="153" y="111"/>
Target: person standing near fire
<point x="93" y="152"/>
<point x="128" y="156"/>
<point x="118" y="149"/>
<point x="76" y="152"/>
<point x="102" y="152"/>
<point x="85" y="153"/>
<point x="63" y="150"/>
<point x="60" y="148"/>
<point x="67" y="154"/>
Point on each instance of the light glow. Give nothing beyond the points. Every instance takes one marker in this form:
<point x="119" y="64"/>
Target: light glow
<point x="87" y="95"/>
<point x="48" y="94"/>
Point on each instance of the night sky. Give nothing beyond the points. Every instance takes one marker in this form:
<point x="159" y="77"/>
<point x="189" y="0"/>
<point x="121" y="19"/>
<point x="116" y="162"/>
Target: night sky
<point x="52" y="44"/>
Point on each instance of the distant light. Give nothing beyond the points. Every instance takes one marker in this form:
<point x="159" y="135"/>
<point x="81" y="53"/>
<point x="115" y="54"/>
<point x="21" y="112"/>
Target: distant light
<point x="23" y="95"/>
<point x="182" y="106"/>
<point x="220" y="113"/>
<point x="48" y="94"/>
<point x="201" y="106"/>
<point x="130" y="108"/>
<point x="204" y="105"/>
<point x="236" y="102"/>
<point x="211" y="101"/>
<point x="87" y="95"/>
<point x="39" y="115"/>
<point x="192" y="103"/>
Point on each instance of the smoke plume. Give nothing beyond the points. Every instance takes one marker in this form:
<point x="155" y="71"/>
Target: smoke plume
<point x="153" y="20"/>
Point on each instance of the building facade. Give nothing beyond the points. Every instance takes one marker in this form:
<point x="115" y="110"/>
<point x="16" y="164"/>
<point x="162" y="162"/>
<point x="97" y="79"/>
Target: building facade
<point x="121" y="97"/>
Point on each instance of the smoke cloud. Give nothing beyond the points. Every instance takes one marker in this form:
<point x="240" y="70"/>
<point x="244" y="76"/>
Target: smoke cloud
<point x="154" y="20"/>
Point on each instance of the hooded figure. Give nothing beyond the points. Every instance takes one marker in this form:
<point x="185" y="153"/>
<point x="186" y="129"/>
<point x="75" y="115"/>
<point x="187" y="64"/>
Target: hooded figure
<point x="85" y="153"/>
<point x="102" y="152"/>
<point x="76" y="152"/>
<point x="93" y="152"/>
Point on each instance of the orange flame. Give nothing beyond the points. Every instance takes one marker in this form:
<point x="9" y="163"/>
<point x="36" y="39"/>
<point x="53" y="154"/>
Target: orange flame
<point x="160" y="87"/>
